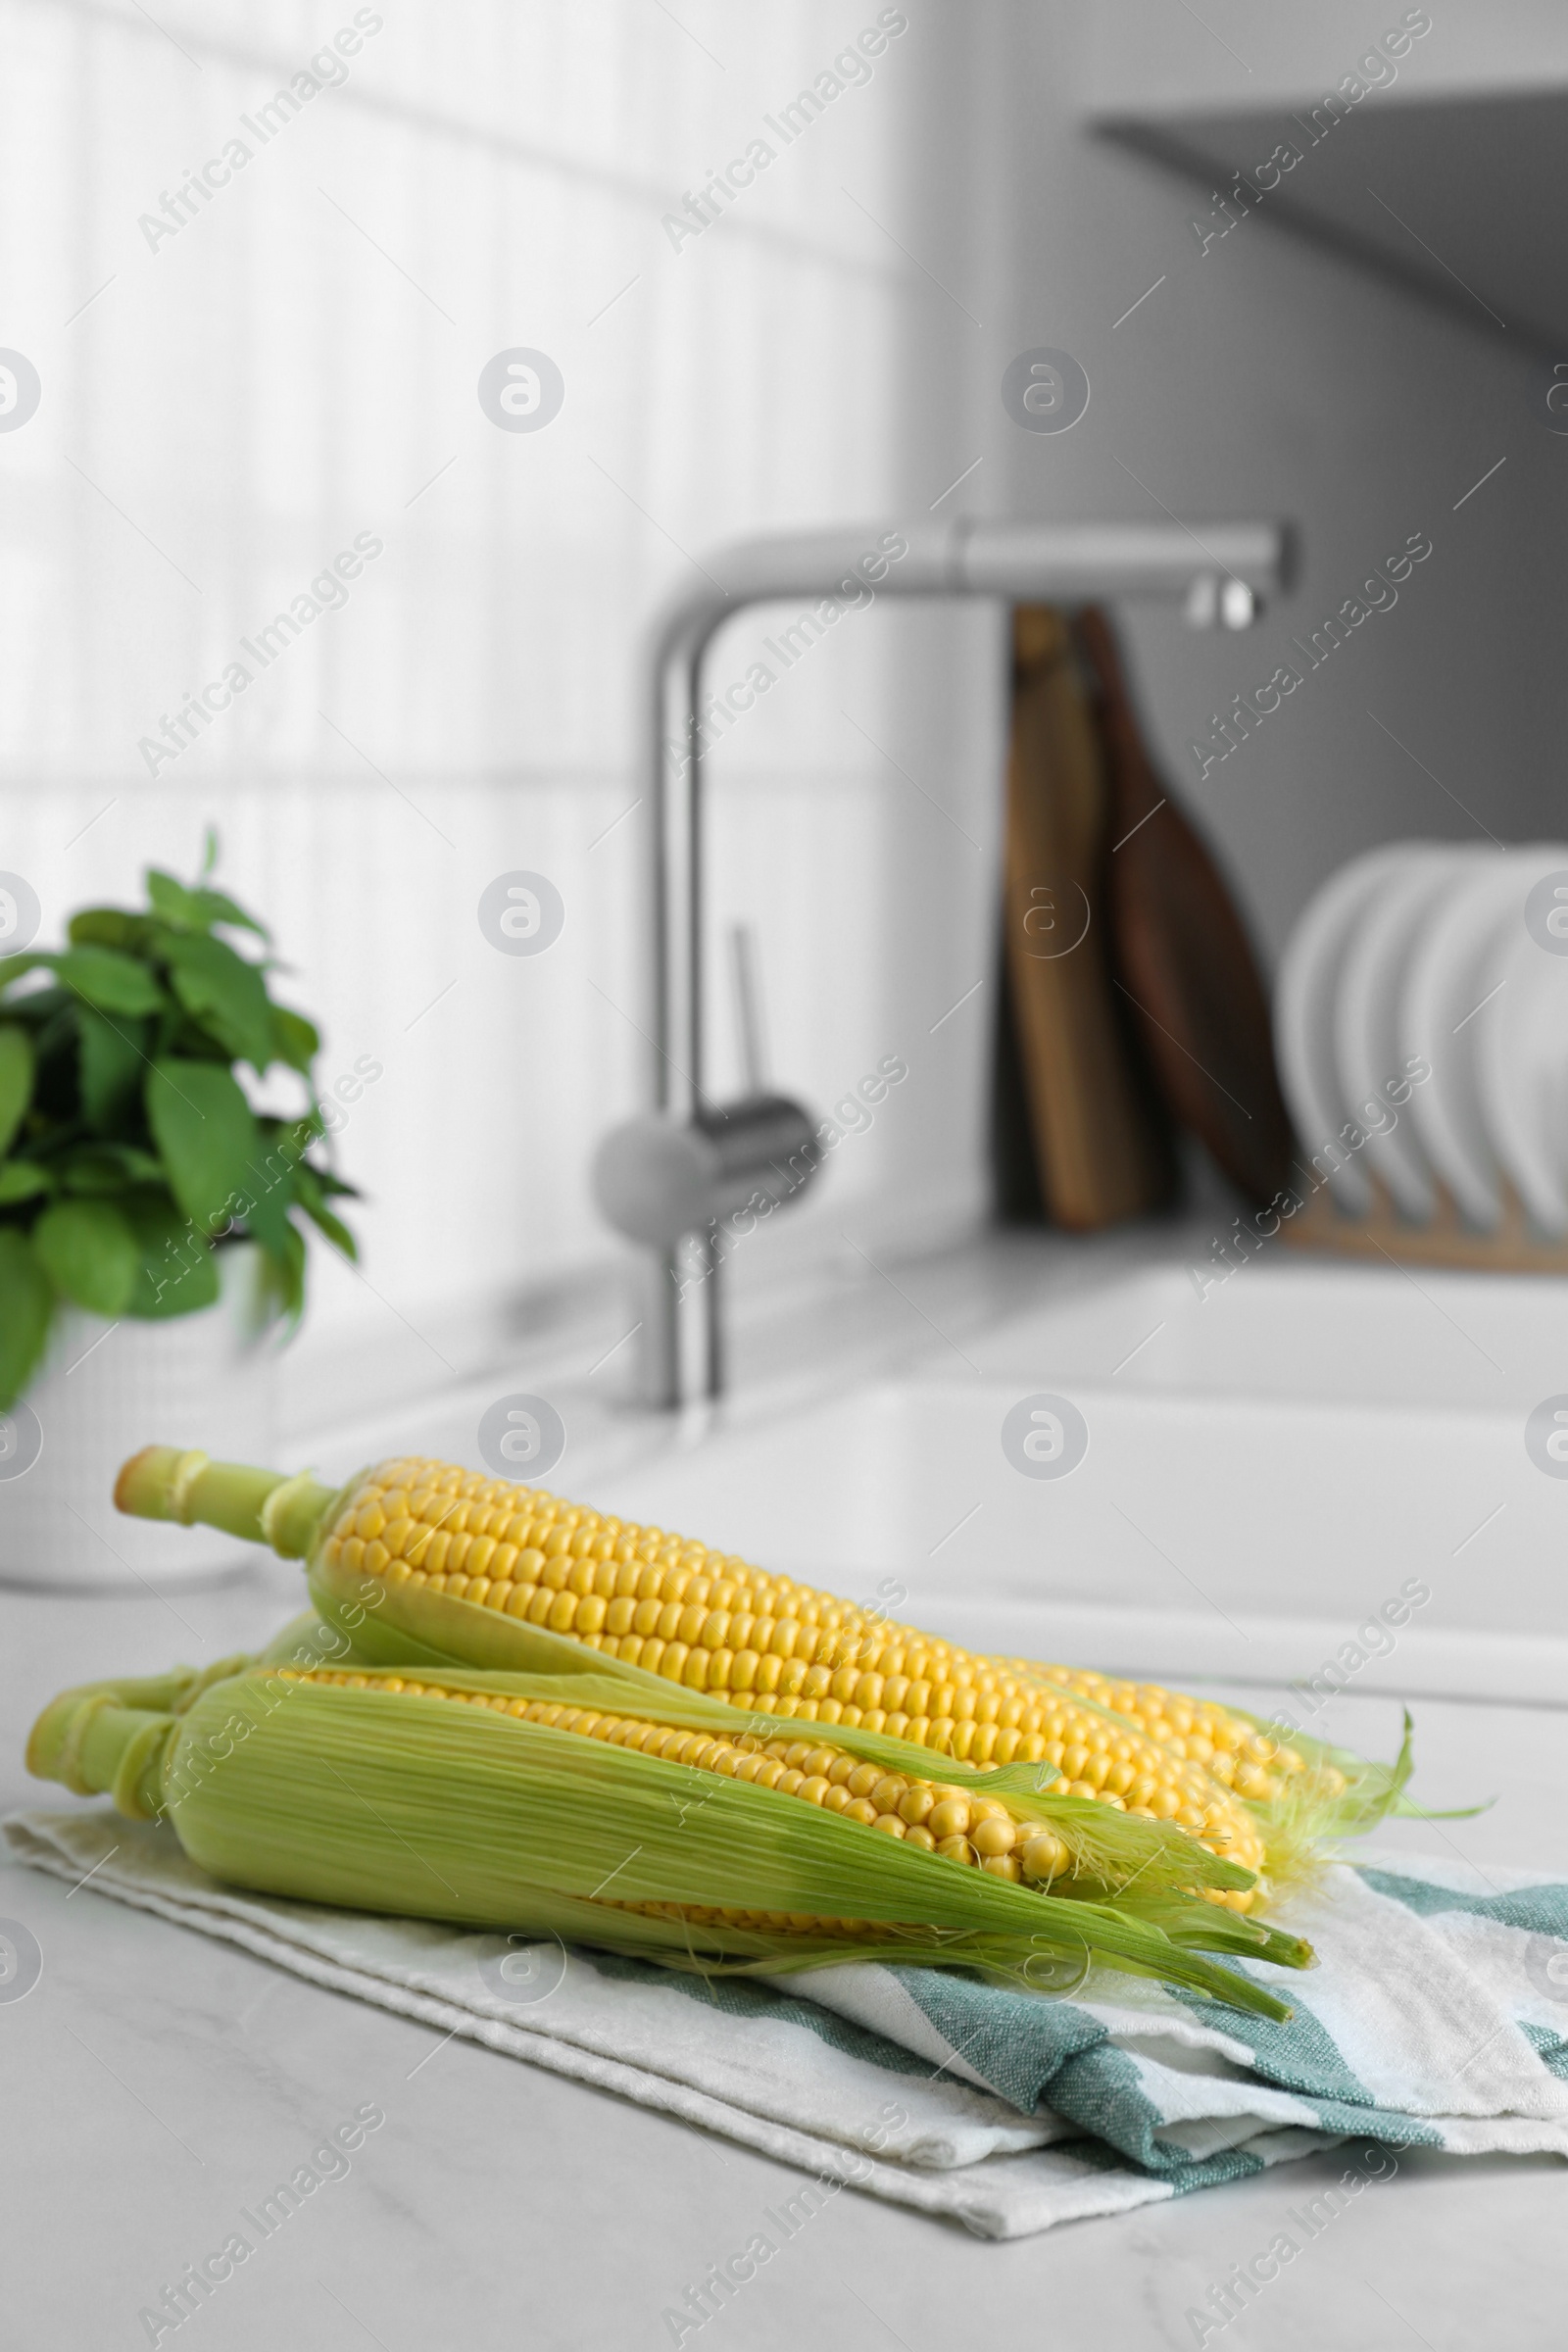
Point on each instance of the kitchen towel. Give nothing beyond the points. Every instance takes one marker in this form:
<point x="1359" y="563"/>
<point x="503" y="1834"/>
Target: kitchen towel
<point x="1438" y="2018"/>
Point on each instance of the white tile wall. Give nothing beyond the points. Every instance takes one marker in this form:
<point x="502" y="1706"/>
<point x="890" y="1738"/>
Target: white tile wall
<point x="298" y="366"/>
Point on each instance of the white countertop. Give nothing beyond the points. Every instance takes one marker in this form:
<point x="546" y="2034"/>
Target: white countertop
<point x="157" y="2081"/>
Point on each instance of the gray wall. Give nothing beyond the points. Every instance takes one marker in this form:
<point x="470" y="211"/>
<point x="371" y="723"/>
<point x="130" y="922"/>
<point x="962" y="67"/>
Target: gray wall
<point x="1261" y="378"/>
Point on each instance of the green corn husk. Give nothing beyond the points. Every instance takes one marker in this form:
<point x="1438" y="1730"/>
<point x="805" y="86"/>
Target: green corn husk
<point x="1304" y="1829"/>
<point x="1110" y="1849"/>
<point x="385" y="1801"/>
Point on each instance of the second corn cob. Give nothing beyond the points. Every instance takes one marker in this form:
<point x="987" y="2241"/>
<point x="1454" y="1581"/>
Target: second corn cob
<point x="568" y="1807"/>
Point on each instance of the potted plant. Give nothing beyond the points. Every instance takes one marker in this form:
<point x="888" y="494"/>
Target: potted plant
<point x="152" y="1222"/>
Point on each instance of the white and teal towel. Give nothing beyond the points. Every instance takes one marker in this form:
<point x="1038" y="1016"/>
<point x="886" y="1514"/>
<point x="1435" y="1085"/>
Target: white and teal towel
<point x="1438" y="2019"/>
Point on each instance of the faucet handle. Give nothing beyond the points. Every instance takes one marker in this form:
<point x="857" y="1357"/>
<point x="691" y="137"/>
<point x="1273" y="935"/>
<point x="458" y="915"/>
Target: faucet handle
<point x="657" y="1178"/>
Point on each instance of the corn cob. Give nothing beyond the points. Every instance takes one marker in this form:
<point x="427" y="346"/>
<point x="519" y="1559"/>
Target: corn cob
<point x="669" y="1824"/>
<point x="931" y="1816"/>
<point x="455" y="1566"/>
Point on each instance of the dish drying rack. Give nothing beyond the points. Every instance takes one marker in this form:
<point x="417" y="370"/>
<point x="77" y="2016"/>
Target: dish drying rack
<point x="1513" y="1246"/>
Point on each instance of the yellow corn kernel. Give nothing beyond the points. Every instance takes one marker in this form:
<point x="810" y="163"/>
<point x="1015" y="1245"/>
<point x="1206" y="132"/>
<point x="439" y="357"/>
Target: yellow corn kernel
<point x="1043" y="1856"/>
<point x="993" y="1837"/>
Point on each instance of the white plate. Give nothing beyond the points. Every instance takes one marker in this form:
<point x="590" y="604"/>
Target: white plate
<point x="1440" y="1018"/>
<point x="1366" y="1018"/>
<point x="1304" y="1015"/>
<point x="1522" y="1059"/>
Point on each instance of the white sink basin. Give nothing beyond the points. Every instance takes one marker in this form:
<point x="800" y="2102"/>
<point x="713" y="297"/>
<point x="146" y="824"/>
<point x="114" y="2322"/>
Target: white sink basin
<point x="1306" y="1330"/>
<point x="1267" y="1466"/>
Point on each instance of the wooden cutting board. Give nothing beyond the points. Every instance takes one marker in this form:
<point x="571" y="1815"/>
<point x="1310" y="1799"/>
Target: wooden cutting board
<point x="1015" y="1194"/>
<point x="1181" y="953"/>
<point x="1102" y="1145"/>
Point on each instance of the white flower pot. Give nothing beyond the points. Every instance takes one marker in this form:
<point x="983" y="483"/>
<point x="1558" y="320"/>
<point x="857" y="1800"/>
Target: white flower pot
<point x="105" y="1390"/>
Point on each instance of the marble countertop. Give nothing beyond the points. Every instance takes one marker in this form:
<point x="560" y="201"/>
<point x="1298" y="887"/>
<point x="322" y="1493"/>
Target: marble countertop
<point x="158" y="2082"/>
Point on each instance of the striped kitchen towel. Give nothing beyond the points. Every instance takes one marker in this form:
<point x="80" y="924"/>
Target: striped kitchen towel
<point x="1438" y="2018"/>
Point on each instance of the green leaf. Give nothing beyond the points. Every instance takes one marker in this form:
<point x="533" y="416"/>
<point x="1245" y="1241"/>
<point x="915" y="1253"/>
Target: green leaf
<point x="295" y="1039"/>
<point x="38" y="1005"/>
<point x="108" y="1167"/>
<point x="309" y="1193"/>
<point x="310" y="1130"/>
<point x="195" y="910"/>
<point x="285" y="1274"/>
<point x="270" y="1194"/>
<point x="21" y="1180"/>
<point x="206" y="1136"/>
<point x="336" y="1232"/>
<point x="219" y="907"/>
<point x="107" y="927"/>
<point x="54" y="1051"/>
<point x="16" y="1081"/>
<point x="113" y="982"/>
<point x="31" y="960"/>
<point x="176" y="1270"/>
<point x="223" y="993"/>
<point x="112" y="1054"/>
<point x="26" y="1310"/>
<point x="89" y="1254"/>
<point x="172" y="901"/>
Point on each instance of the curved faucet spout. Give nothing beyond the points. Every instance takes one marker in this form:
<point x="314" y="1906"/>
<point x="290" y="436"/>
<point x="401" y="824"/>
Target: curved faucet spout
<point x="1217" y="572"/>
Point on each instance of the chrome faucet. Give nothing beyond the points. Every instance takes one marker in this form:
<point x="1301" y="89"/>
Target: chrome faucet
<point x="666" y="1178"/>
